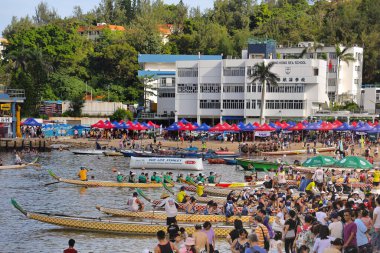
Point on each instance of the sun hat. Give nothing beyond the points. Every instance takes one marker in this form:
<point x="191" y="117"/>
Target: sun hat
<point x="190" y="241"/>
<point x="164" y="195"/>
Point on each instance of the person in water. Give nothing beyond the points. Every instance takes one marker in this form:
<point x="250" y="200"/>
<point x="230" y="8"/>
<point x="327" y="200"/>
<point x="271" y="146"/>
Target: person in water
<point x="82" y="174"/>
<point x="71" y="249"/>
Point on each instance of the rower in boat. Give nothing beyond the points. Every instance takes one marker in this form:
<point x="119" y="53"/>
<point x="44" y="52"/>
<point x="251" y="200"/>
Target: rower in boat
<point x="142" y="178"/>
<point x="179" y="178"/>
<point x="201" y="178"/>
<point x="120" y="177"/>
<point x="189" y="206"/>
<point x="153" y="177"/>
<point x="132" y="177"/>
<point x="168" y="177"/>
<point x="158" y="178"/>
<point x="181" y="195"/>
<point x="200" y="190"/>
<point x="18" y="160"/>
<point x="190" y="179"/>
<point x="134" y="204"/>
<point x="82" y="174"/>
<point x="211" y="178"/>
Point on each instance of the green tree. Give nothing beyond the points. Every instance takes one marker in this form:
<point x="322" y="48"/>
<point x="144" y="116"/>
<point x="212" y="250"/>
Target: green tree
<point x="119" y="114"/>
<point x="261" y="72"/>
<point x="76" y="105"/>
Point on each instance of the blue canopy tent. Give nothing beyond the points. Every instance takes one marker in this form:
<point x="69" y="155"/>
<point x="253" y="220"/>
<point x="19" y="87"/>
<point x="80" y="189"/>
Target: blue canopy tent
<point x="344" y="127"/>
<point x="204" y="127"/>
<point x="79" y="127"/>
<point x="123" y="126"/>
<point x="184" y="121"/>
<point x="248" y="128"/>
<point x="365" y="128"/>
<point x="375" y="130"/>
<point x="313" y="126"/>
<point x="116" y="124"/>
<point x="31" y="122"/>
<point x="146" y="125"/>
<point x="277" y="127"/>
<point x="173" y="127"/>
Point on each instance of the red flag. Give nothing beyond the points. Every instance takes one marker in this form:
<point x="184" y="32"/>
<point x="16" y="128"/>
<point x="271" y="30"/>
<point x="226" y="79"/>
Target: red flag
<point x="330" y="65"/>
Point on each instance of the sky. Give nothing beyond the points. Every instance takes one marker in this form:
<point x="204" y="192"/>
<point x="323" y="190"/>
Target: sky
<point x="21" y="8"/>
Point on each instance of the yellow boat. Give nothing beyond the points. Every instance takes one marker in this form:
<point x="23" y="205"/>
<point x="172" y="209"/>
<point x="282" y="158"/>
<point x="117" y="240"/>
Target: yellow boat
<point x="159" y="215"/>
<point x="93" y="183"/>
<point x="20" y="166"/>
<point x="106" y="225"/>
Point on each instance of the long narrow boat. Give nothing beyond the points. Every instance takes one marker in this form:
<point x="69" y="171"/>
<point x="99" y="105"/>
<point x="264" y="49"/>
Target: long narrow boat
<point x="159" y="215"/>
<point x="93" y="183"/>
<point x="258" y="165"/>
<point x="21" y="166"/>
<point x="112" y="153"/>
<point x="88" y="152"/>
<point x="166" y="163"/>
<point x="296" y="152"/>
<point x="221" y="185"/>
<point x="107" y="225"/>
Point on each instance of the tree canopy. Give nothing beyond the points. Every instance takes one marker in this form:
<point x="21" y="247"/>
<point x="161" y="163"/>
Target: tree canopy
<point x="49" y="58"/>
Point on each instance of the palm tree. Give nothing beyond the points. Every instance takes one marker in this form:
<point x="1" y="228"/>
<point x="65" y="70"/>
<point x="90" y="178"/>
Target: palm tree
<point x="342" y="55"/>
<point x="310" y="49"/>
<point x="262" y="73"/>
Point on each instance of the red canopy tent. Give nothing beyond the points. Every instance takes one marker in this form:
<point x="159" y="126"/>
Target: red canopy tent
<point x="187" y="127"/>
<point x="137" y="127"/>
<point x="227" y="126"/>
<point x="99" y="124"/>
<point x="283" y="124"/>
<point x="218" y="128"/>
<point x="235" y="128"/>
<point x="298" y="127"/>
<point x="326" y="126"/>
<point x="265" y="127"/>
<point x="337" y="123"/>
<point x="150" y="123"/>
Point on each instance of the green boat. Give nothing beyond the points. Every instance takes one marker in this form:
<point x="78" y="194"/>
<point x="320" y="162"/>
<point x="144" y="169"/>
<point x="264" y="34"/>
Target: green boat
<point x="258" y="165"/>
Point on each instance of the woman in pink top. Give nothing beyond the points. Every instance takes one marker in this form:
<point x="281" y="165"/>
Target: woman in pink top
<point x="366" y="219"/>
<point x="207" y="229"/>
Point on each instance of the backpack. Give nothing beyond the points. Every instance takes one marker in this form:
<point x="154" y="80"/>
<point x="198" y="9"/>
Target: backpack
<point x="229" y="209"/>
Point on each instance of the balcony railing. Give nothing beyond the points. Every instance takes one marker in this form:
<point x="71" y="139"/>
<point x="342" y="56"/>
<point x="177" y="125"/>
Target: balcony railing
<point x="13" y="93"/>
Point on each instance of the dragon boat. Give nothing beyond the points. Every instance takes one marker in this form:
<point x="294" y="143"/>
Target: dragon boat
<point x="20" y="166"/>
<point x="95" y="183"/>
<point x="109" y="225"/>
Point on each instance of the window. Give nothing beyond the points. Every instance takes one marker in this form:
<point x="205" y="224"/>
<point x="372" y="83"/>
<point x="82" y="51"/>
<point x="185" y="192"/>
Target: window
<point x="234" y="71"/>
<point x="356" y="81"/>
<point x="316" y="72"/>
<point x="284" y="104"/>
<point x="166" y="95"/>
<point x="233" y="104"/>
<point x="163" y="82"/>
<point x="357" y="68"/>
<point x="187" y="88"/>
<point x="209" y="104"/>
<point x="210" y="87"/>
<point x="331" y="82"/>
<point x="187" y="72"/>
<point x="250" y="70"/>
<point x="332" y="55"/>
<point x="331" y="96"/>
<point x="332" y="69"/>
<point x="248" y="104"/>
<point x="249" y="87"/>
<point x="233" y="88"/>
<point x="286" y="88"/>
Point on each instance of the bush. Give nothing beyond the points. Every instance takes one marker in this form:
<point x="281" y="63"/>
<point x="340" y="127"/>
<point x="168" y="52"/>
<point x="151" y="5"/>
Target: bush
<point x="121" y="114"/>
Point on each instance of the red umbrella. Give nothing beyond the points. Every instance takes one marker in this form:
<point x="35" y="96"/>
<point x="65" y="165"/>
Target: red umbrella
<point x="265" y="127"/>
<point x="99" y="124"/>
<point x="150" y="123"/>
<point x="298" y="127"/>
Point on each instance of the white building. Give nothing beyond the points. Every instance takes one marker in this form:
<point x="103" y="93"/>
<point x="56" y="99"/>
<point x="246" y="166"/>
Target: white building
<point x="3" y="44"/>
<point x="347" y="87"/>
<point x="370" y="99"/>
<point x="221" y="90"/>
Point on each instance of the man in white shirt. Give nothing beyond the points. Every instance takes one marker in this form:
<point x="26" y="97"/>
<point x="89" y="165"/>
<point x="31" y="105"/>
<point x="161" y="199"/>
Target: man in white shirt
<point x="321" y="215"/>
<point x="336" y="226"/>
<point x="319" y="177"/>
<point x="170" y="208"/>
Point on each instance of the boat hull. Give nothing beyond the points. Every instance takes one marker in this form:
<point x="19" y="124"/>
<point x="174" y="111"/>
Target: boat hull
<point x="296" y="152"/>
<point x="166" y="163"/>
<point x="92" y="183"/>
<point x="22" y="166"/>
<point x="248" y="164"/>
<point x="159" y="215"/>
<point x="88" y="152"/>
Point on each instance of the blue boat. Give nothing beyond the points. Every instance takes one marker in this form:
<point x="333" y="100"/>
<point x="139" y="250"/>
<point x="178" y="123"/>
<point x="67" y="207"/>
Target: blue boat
<point x="230" y="161"/>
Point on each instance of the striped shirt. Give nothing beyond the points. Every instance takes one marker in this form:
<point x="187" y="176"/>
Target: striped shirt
<point x="260" y="231"/>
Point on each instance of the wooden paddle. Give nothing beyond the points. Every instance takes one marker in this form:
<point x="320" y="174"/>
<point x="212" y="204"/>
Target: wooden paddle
<point x="52" y="183"/>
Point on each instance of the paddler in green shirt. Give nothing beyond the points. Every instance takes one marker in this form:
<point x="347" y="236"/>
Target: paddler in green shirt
<point x="179" y="178"/>
<point x="190" y="179"/>
<point x="142" y="178"/>
<point x="158" y="179"/>
<point x="119" y="177"/>
<point x="153" y="177"/>
<point x="211" y="178"/>
<point x="168" y="178"/>
<point x="200" y="178"/>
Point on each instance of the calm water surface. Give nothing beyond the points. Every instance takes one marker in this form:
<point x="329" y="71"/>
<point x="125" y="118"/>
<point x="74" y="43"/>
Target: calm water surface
<point x="19" y="234"/>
